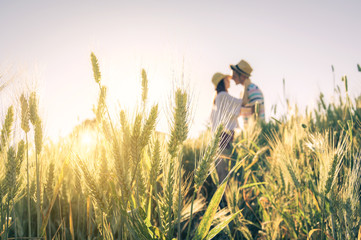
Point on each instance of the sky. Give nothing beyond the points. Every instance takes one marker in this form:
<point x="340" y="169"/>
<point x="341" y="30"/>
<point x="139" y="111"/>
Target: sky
<point x="46" y="45"/>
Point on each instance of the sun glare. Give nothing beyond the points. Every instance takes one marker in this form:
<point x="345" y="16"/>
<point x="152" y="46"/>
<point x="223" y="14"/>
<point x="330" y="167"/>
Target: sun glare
<point x="87" y="140"/>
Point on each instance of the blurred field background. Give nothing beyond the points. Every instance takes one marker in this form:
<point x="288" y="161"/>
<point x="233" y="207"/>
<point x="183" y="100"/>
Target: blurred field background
<point x="47" y="44"/>
<point x="296" y="177"/>
<point x="118" y="146"/>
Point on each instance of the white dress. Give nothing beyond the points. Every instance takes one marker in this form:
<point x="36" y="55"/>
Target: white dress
<point x="226" y="111"/>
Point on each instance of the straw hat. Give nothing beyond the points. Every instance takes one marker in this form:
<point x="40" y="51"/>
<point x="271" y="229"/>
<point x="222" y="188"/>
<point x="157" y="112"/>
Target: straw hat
<point x="242" y="67"/>
<point x="217" y="77"/>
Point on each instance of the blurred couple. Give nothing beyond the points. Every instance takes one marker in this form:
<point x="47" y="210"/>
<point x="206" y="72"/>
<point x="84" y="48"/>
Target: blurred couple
<point x="227" y="109"/>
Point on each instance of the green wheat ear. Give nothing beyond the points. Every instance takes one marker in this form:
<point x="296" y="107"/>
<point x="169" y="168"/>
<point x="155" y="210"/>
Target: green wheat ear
<point x="344" y="79"/>
<point x="144" y="86"/>
<point x="331" y="174"/>
<point x="7" y="127"/>
<point x="20" y="155"/>
<point x="135" y="150"/>
<point x="96" y="71"/>
<point x="149" y="126"/>
<point x="38" y="136"/>
<point x="33" y="108"/>
<point x="13" y="166"/>
<point x="10" y="177"/>
<point x="92" y="186"/>
<point x="203" y="168"/>
<point x="155" y="164"/>
<point x="180" y="128"/>
<point x="25" y="117"/>
<point x="322" y="100"/>
<point x="49" y="188"/>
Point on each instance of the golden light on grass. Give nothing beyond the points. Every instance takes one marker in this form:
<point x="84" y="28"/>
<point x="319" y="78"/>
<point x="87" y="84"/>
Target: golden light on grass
<point x="120" y="178"/>
<point x="87" y="140"/>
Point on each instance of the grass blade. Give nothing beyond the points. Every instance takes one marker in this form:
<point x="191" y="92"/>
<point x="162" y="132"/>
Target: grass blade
<point x="208" y="216"/>
<point x="220" y="226"/>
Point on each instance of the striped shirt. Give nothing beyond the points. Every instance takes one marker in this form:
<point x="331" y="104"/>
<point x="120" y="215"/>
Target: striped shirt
<point x="255" y="97"/>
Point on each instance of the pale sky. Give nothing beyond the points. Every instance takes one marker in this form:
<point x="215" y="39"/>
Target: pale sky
<point x="51" y="41"/>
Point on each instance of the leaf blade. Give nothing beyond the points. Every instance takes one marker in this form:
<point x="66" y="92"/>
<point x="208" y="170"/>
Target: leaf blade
<point x="208" y="216"/>
<point x="220" y="226"/>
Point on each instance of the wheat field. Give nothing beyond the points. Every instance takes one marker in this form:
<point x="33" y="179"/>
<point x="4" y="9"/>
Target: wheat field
<point x="296" y="177"/>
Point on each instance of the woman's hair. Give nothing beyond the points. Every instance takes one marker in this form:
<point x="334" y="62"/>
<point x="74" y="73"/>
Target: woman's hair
<point x="221" y="87"/>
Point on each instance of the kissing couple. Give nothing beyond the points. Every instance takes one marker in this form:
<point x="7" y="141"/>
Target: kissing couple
<point x="227" y="109"/>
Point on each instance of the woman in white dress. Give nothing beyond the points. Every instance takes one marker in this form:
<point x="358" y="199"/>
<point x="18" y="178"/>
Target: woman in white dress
<point x="226" y="110"/>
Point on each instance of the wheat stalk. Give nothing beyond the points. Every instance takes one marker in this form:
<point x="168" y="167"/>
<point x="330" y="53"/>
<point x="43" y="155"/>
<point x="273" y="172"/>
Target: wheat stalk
<point x="179" y="129"/>
<point x="100" y="111"/>
<point x="149" y="126"/>
<point x="208" y="158"/>
<point x="7" y="128"/>
<point x="38" y="138"/>
<point x="95" y="193"/>
<point x="95" y="65"/>
<point x="144" y="88"/>
<point x="33" y="108"/>
<point x="25" y="118"/>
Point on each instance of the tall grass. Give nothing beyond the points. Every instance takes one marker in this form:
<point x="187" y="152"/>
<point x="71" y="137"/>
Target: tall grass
<point x="310" y="163"/>
<point x="297" y="177"/>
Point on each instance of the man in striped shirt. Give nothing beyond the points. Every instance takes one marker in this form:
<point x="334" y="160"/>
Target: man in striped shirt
<point x="253" y="100"/>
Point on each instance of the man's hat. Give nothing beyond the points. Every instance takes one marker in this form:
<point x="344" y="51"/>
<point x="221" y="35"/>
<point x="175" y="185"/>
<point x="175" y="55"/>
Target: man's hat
<point x="242" y="67"/>
<point x="217" y="77"/>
